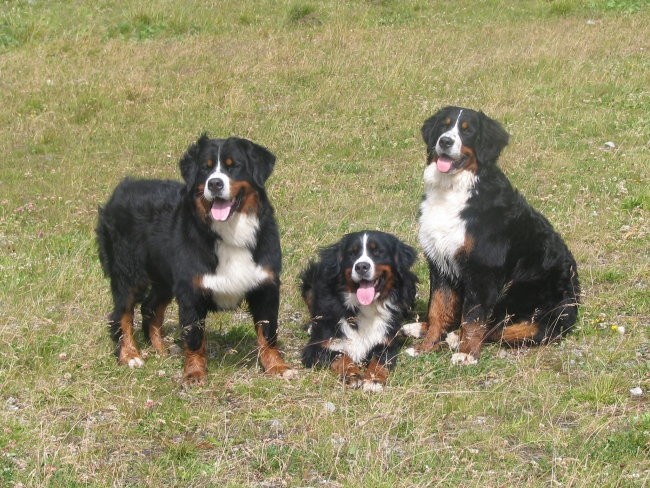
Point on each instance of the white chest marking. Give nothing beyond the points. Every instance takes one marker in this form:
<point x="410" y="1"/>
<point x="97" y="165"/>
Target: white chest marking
<point x="237" y="273"/>
<point x="442" y="231"/>
<point x="372" y="323"/>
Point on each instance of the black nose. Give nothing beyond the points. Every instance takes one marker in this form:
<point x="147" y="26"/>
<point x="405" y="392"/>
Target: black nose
<point x="215" y="185"/>
<point x="445" y="142"/>
<point x="362" y="267"/>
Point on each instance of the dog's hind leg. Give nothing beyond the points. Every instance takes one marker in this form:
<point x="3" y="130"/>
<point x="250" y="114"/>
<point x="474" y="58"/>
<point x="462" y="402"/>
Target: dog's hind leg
<point x="153" y="313"/>
<point x="121" y="323"/>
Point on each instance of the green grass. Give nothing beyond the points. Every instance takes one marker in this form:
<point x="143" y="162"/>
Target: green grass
<point x="94" y="91"/>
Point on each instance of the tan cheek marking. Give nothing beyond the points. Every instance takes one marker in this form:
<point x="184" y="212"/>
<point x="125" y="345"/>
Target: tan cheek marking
<point x="202" y="208"/>
<point x="471" y="163"/>
<point x="349" y="284"/>
<point x="387" y="272"/>
<point x="250" y="199"/>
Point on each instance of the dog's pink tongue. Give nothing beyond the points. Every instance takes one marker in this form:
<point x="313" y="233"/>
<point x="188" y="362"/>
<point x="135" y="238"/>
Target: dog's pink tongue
<point x="444" y="164"/>
<point x="365" y="293"/>
<point x="221" y="209"/>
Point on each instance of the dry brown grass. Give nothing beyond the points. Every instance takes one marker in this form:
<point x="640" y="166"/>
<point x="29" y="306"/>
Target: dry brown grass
<point x="91" y="93"/>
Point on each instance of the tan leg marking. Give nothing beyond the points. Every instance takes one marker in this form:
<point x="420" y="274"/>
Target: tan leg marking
<point x="129" y="353"/>
<point x="155" y="329"/>
<point x="270" y="357"/>
<point x="195" y="370"/>
<point x="347" y="370"/>
<point x="444" y="310"/>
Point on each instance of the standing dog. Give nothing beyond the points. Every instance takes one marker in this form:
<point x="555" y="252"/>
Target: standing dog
<point x="497" y="268"/>
<point x="358" y="294"/>
<point x="209" y="242"/>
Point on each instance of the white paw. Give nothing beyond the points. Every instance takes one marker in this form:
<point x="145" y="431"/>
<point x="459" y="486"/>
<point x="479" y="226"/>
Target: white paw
<point x="135" y="363"/>
<point x="414" y="329"/>
<point x="460" y="358"/>
<point x="354" y="383"/>
<point x="453" y="341"/>
<point x="289" y="374"/>
<point x="410" y="351"/>
<point x="372" y="386"/>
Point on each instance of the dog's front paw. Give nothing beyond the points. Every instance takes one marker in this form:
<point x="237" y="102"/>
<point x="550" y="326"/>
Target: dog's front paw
<point x="411" y="351"/>
<point x="353" y="381"/>
<point x="130" y="358"/>
<point x="289" y="374"/>
<point x="453" y="341"/>
<point x="462" y="359"/>
<point x="372" y="386"/>
<point x="194" y="378"/>
<point x="414" y="329"/>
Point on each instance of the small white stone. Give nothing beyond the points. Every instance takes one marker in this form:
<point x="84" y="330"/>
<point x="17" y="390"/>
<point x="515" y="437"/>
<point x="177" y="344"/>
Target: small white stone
<point x="609" y="145"/>
<point x="636" y="391"/>
<point x="329" y="407"/>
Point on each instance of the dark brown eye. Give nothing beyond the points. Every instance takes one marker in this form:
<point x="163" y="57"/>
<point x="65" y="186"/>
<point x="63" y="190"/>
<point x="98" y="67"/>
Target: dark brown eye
<point x="209" y="163"/>
<point x="228" y="162"/>
<point x="447" y="122"/>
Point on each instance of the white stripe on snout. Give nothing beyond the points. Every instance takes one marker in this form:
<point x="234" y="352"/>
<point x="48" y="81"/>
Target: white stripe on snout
<point x="364" y="258"/>
<point x="454" y="134"/>
<point x="217" y="173"/>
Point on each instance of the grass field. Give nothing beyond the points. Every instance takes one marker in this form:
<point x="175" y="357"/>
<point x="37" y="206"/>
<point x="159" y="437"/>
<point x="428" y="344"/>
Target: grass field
<point x="93" y="91"/>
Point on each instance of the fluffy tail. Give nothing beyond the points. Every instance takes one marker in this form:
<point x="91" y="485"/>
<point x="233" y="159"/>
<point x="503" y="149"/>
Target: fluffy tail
<point x="104" y="243"/>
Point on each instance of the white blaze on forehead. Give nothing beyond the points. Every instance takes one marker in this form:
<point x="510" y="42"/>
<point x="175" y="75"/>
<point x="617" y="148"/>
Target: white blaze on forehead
<point x="453" y="134"/>
<point x="218" y="173"/>
<point x="364" y="258"/>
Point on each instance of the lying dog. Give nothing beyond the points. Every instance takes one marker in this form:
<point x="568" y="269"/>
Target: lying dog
<point x="358" y="294"/>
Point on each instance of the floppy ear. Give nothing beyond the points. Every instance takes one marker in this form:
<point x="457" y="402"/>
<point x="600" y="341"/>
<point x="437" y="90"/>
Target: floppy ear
<point x="261" y="162"/>
<point x="331" y="257"/>
<point x="189" y="163"/>
<point x="429" y="130"/>
<point x="492" y="139"/>
<point x="405" y="256"/>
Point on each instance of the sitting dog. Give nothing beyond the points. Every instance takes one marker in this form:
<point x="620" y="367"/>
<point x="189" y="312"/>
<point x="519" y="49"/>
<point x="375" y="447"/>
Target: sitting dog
<point x="497" y="268"/>
<point x="358" y="293"/>
<point x="209" y="242"/>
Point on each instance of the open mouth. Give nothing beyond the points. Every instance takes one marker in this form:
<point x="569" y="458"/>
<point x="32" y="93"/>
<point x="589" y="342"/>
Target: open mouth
<point x="369" y="290"/>
<point x="446" y="164"/>
<point x="222" y="208"/>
